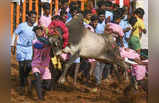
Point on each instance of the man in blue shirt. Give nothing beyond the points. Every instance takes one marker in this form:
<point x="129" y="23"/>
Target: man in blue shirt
<point x="22" y="41"/>
<point x="100" y="30"/>
<point x="126" y="27"/>
<point x="101" y="22"/>
<point x="108" y="11"/>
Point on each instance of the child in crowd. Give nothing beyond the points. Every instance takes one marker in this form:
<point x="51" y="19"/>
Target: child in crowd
<point x="40" y="62"/>
<point x="45" y="18"/>
<point x="138" y="28"/>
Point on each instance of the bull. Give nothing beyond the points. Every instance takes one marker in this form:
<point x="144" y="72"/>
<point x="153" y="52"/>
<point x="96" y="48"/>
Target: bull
<point x="86" y="44"/>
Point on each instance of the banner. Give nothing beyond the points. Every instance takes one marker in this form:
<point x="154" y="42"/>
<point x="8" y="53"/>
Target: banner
<point x="46" y="1"/>
<point x="17" y="1"/>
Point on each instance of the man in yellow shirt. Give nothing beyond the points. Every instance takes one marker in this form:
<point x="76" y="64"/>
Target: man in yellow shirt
<point x="138" y="29"/>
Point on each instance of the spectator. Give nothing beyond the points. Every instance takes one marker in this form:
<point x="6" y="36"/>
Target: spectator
<point x="126" y="28"/>
<point x="45" y="18"/>
<point x="116" y="28"/>
<point x="138" y="28"/>
<point x="22" y="38"/>
<point x="101" y="22"/>
<point x="40" y="62"/>
<point x="108" y="12"/>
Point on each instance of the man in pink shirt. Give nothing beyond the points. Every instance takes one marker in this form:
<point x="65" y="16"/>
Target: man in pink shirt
<point x="115" y="28"/>
<point x="139" y="63"/>
<point x="40" y="62"/>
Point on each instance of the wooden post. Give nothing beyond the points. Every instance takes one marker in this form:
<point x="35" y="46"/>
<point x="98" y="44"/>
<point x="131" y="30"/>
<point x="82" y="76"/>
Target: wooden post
<point x="30" y="5"/>
<point x="24" y="11"/>
<point x="82" y="5"/>
<point x="37" y="8"/>
<point x="17" y="14"/>
<point x="56" y="7"/>
<point x="12" y="17"/>
<point x="51" y="7"/>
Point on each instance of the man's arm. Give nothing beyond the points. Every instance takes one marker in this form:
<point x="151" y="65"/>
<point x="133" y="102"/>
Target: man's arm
<point x="13" y="43"/>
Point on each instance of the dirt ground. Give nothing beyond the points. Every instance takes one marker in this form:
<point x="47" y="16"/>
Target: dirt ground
<point x="109" y="92"/>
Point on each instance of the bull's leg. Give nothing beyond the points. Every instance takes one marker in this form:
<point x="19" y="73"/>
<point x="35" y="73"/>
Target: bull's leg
<point x="66" y="67"/>
<point x="126" y="75"/>
<point x="117" y="72"/>
<point x="93" y="65"/>
<point x="124" y="66"/>
<point x="76" y="71"/>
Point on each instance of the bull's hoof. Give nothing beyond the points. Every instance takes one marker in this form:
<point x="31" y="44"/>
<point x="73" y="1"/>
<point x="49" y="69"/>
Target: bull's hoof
<point x="61" y="81"/>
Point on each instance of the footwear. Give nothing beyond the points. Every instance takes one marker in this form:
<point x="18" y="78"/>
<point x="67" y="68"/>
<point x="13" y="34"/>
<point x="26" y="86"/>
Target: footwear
<point x="38" y="86"/>
<point x="46" y="85"/>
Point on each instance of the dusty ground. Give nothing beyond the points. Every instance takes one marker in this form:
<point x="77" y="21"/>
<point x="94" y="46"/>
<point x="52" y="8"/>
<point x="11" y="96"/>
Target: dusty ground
<point x="110" y="92"/>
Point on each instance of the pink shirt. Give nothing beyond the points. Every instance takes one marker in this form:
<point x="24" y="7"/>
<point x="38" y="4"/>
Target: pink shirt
<point x="140" y="71"/>
<point x="116" y="28"/>
<point x="129" y="53"/>
<point x="41" y="57"/>
<point x="45" y="21"/>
